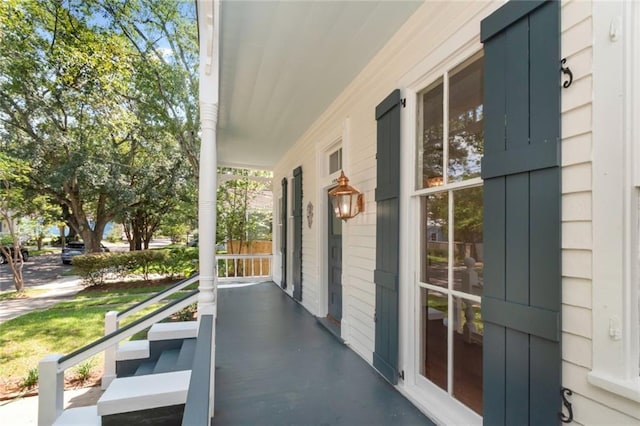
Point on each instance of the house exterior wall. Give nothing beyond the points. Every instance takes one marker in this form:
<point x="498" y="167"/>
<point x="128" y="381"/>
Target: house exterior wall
<point x="412" y="53"/>
<point x="591" y="404"/>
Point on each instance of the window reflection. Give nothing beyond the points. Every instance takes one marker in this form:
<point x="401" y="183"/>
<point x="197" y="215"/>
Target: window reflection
<point x="431" y="137"/>
<point x="434" y="308"/>
<point x="467" y="237"/>
<point x="434" y="239"/>
<point x="465" y="122"/>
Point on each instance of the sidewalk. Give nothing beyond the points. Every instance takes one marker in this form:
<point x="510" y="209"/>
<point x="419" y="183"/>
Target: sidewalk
<point x="58" y="290"/>
<point x="24" y="411"/>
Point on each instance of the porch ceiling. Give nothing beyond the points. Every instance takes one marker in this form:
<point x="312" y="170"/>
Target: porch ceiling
<point x="283" y="62"/>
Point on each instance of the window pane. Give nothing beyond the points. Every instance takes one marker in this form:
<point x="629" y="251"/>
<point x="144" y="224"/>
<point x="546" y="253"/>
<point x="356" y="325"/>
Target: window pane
<point x="434" y="336"/>
<point x="465" y="122"/>
<point x="335" y="161"/>
<point x="430" y="140"/>
<point x="467" y="353"/>
<point x="435" y="247"/>
<point x="467" y="234"/>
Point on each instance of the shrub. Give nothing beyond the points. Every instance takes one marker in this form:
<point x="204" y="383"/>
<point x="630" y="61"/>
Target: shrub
<point x="188" y="313"/>
<point x="83" y="371"/>
<point x="93" y="268"/>
<point x="31" y="379"/>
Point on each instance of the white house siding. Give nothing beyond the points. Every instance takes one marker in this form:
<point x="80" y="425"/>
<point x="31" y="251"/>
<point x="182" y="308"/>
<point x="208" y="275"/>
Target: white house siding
<point x="591" y="405"/>
<point x="406" y="57"/>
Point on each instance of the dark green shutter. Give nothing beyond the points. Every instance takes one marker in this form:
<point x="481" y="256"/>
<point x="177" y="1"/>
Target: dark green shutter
<point x="385" y="357"/>
<point x="283" y="241"/>
<point x="297" y="234"/>
<point x="522" y="294"/>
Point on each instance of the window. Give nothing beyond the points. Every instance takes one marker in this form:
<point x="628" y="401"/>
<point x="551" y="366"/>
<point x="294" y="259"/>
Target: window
<point x="335" y="161"/>
<point x="450" y="143"/>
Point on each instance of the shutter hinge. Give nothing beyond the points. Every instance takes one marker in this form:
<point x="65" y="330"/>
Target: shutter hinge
<point x="566" y="418"/>
<point x="567" y="72"/>
<point x="401" y="374"/>
<point x="375" y="317"/>
<point x="403" y="102"/>
<point x="376" y="155"/>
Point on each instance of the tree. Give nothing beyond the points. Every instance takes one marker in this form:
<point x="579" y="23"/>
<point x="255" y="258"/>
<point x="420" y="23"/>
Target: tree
<point x="99" y="106"/>
<point x="63" y="108"/>
<point x="13" y="172"/>
<point x="235" y="221"/>
<point x="164" y="35"/>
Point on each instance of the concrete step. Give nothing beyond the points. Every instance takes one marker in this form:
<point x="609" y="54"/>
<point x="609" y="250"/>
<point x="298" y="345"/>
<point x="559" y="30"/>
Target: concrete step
<point x="187" y="351"/>
<point x="139" y="393"/>
<point x="81" y="416"/>
<point x="133" y="349"/>
<point x="146" y="367"/>
<point x="173" y="330"/>
<point x="167" y="361"/>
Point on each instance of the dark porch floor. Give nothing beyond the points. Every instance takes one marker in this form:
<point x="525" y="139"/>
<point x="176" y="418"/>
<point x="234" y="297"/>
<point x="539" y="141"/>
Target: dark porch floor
<point x="275" y="365"/>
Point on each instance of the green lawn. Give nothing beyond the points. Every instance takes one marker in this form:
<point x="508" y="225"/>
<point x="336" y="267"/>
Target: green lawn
<point x="63" y="328"/>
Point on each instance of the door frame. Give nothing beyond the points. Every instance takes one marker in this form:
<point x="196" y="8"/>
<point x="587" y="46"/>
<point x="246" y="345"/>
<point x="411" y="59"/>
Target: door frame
<point x="339" y="139"/>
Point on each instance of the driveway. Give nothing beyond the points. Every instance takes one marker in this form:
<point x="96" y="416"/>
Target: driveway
<point x="37" y="271"/>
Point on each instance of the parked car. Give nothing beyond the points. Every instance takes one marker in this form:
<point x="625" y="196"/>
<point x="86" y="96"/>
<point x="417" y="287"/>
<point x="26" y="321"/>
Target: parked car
<point x="24" y="251"/>
<point x="76" y="248"/>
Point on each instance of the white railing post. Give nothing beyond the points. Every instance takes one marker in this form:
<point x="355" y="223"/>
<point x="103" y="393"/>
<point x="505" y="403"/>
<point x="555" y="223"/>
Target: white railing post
<point x="110" y="326"/>
<point x="50" y="389"/>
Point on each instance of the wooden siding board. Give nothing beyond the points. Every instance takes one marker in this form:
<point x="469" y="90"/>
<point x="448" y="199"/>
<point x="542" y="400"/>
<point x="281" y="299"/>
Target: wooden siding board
<point x="577" y="121"/>
<point x="576" y="150"/>
<point x="576" y="206"/>
<point x="576" y="320"/>
<point x="577" y="38"/>
<point x="576" y="178"/>
<point x="576" y="263"/>
<point x="577" y="235"/>
<point x="577" y="350"/>
<point x="576" y="292"/>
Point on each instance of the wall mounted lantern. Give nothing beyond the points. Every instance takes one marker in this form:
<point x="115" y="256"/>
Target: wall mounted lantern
<point x="347" y="201"/>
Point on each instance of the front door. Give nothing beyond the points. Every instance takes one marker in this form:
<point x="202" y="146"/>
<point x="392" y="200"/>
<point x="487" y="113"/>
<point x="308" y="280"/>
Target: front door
<point x="335" y="264"/>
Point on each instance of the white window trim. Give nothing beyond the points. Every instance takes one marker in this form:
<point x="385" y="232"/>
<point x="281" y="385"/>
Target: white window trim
<point x="428" y="397"/>
<point x="616" y="171"/>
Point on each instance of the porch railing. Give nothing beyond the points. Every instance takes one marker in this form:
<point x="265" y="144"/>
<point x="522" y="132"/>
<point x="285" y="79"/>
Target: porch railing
<point x="243" y="267"/>
<point x="198" y="408"/>
<point x="112" y="320"/>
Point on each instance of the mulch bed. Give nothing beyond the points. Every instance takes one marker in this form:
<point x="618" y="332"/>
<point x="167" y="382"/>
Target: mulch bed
<point x="128" y="285"/>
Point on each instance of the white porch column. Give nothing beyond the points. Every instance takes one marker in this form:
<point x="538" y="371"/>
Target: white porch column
<point x="209" y="23"/>
<point x="209" y="28"/>
<point x="207" y="209"/>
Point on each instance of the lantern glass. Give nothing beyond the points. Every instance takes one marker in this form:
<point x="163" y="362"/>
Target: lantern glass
<point x="347" y="201"/>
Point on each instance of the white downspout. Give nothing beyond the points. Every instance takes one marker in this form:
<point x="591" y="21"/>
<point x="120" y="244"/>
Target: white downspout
<point x="209" y="25"/>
